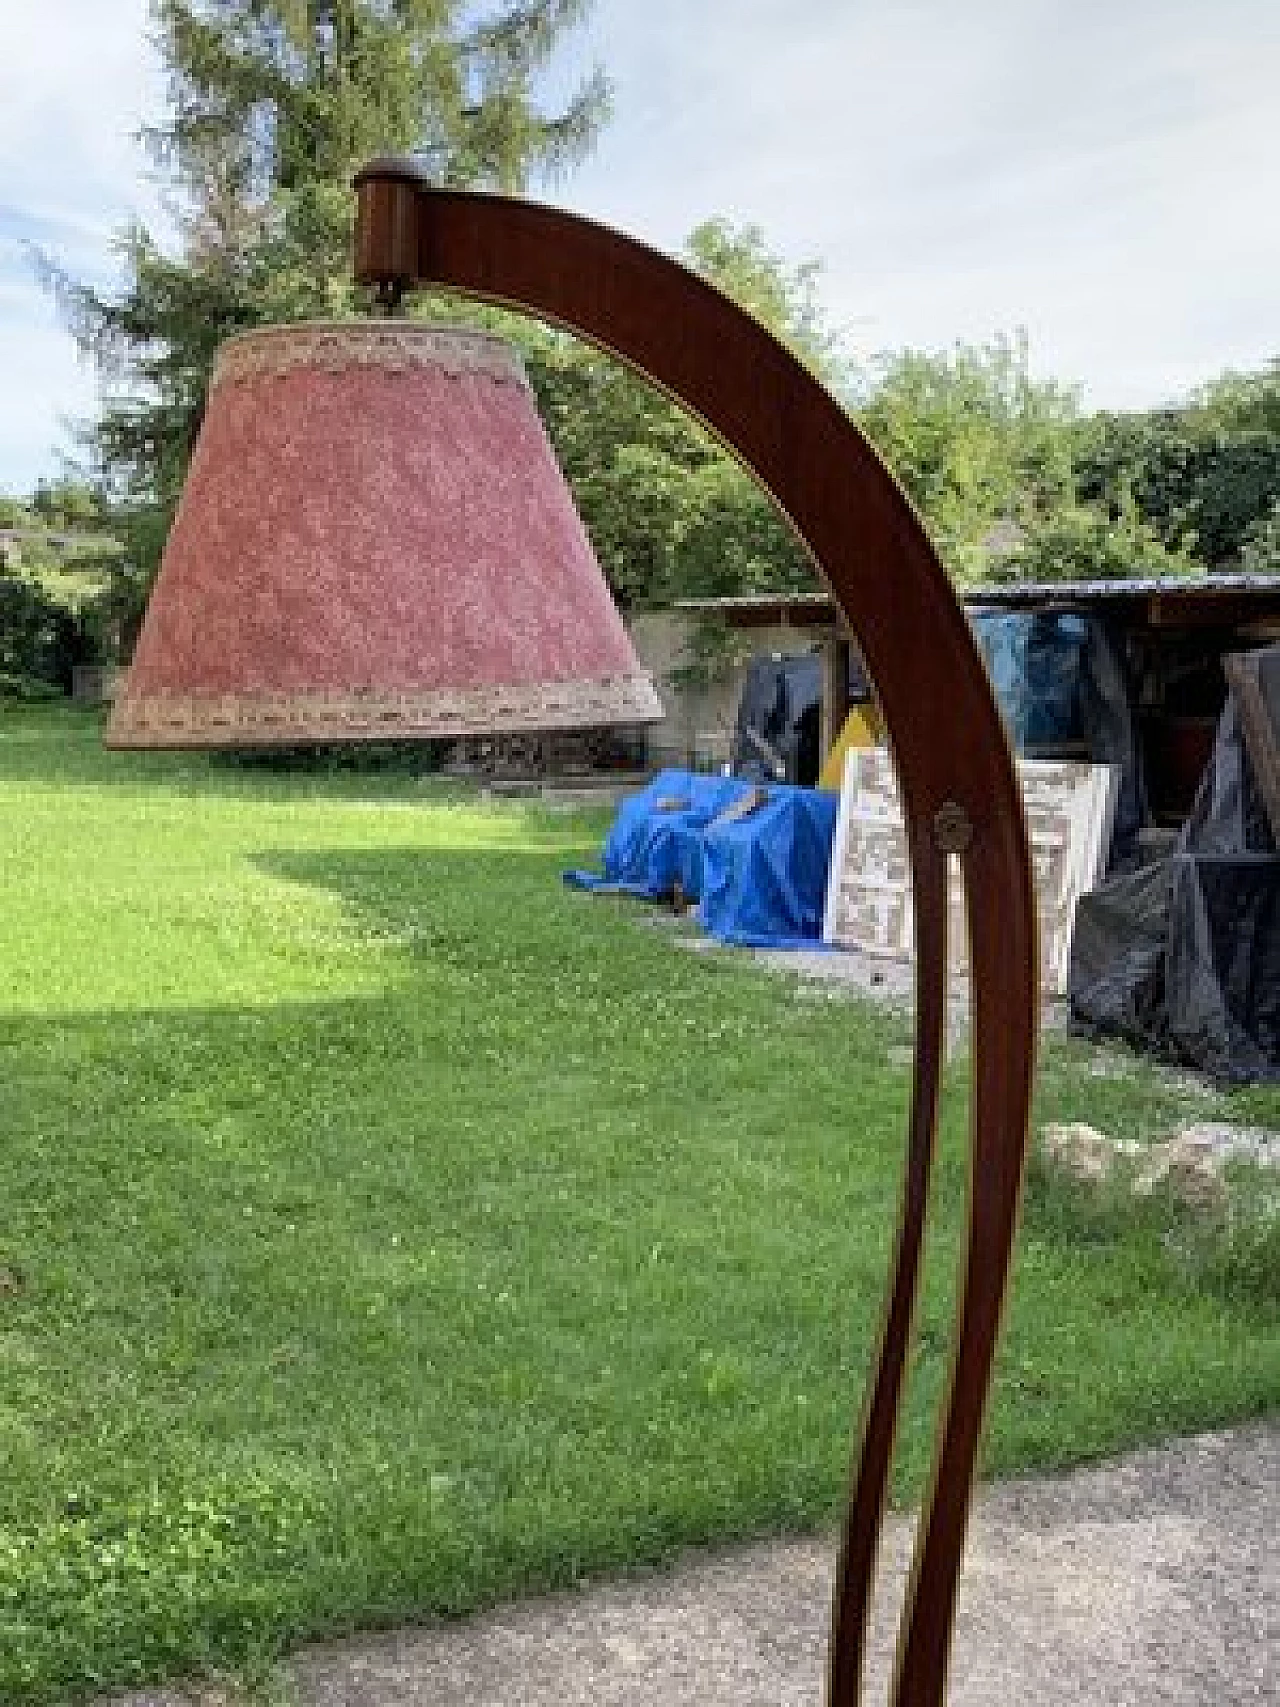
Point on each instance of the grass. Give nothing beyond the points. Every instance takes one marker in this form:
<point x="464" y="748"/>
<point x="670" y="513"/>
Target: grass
<point x="385" y="1229"/>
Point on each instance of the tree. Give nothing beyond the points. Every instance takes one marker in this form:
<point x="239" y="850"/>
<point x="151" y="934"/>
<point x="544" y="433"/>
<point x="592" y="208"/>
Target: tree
<point x="670" y="513"/>
<point x="975" y="441"/>
<point x="40" y="639"/>
<point x="70" y="504"/>
<point x="273" y="105"/>
<point x="783" y="298"/>
<point x="1244" y="402"/>
<point x="1079" y="542"/>
<point x="1202" y="476"/>
<point x="1260" y="553"/>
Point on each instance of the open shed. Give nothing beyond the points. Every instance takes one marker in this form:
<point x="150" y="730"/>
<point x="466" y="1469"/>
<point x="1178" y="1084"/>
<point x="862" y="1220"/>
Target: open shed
<point x="1160" y="641"/>
<point x="1169" y="637"/>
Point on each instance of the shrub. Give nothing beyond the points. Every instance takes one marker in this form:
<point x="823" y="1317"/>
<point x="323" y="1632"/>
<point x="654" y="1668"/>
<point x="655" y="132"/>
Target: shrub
<point x="40" y="640"/>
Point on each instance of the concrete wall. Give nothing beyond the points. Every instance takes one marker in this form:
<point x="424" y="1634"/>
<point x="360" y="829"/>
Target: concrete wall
<point x="697" y="732"/>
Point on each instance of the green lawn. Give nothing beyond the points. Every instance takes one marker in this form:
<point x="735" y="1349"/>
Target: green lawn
<point x="385" y="1229"/>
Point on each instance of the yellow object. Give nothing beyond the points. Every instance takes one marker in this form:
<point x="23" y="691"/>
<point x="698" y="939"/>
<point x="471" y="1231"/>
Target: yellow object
<point x="864" y="727"/>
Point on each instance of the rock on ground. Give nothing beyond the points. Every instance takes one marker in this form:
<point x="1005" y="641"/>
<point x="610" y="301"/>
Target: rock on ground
<point x="1189" y="1165"/>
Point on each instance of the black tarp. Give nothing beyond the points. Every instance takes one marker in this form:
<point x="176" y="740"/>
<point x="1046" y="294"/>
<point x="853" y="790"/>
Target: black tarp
<point x="779" y="730"/>
<point x="1106" y="715"/>
<point x="777" y="738"/>
<point x="1184" y="956"/>
<point x="779" y="734"/>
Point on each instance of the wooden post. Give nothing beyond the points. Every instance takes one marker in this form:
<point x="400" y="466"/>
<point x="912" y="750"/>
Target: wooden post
<point x="835" y="690"/>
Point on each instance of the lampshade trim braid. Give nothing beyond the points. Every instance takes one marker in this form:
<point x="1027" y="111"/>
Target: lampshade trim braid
<point x="265" y="719"/>
<point x="336" y="346"/>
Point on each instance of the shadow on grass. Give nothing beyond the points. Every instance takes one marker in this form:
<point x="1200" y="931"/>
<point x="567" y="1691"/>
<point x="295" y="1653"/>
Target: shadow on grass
<point x="62" y="746"/>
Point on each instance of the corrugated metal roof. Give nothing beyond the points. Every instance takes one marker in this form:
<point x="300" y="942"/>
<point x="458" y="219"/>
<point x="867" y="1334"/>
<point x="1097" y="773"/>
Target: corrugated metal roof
<point x="1016" y="594"/>
<point x="756" y="601"/>
<point x="1094" y="592"/>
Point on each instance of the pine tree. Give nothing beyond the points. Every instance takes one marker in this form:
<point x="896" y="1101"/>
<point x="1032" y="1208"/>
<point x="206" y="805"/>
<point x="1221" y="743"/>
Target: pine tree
<point x="274" y="103"/>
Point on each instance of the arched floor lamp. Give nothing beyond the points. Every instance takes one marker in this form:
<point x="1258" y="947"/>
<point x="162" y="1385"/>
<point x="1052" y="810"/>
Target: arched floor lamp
<point x="959" y="790"/>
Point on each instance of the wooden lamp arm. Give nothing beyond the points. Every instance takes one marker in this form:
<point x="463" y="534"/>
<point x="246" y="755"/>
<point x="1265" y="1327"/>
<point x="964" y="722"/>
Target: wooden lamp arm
<point x="959" y="789"/>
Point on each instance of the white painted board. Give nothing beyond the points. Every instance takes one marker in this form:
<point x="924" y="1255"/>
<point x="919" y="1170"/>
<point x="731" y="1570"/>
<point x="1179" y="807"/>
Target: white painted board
<point x="1070" y="808"/>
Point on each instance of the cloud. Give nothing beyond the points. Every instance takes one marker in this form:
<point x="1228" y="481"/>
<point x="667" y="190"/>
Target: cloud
<point x="1101" y="172"/>
<point x="47" y="390"/>
<point x="78" y="80"/>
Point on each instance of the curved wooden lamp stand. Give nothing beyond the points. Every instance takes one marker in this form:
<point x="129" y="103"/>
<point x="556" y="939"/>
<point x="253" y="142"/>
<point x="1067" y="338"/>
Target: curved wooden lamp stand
<point x="959" y="790"/>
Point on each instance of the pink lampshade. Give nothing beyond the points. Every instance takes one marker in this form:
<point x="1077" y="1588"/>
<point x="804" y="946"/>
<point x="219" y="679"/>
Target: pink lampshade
<point x="375" y="541"/>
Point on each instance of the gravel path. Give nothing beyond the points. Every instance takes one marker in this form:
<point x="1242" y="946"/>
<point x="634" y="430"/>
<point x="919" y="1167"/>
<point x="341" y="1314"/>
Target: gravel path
<point x="1150" y="1582"/>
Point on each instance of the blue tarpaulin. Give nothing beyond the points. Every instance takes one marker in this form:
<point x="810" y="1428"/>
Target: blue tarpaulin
<point x="755" y="860"/>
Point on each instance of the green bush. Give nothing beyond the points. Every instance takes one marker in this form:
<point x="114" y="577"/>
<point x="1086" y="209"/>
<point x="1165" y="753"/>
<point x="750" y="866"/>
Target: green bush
<point x="40" y="640"/>
<point x="409" y="758"/>
<point x="28" y="689"/>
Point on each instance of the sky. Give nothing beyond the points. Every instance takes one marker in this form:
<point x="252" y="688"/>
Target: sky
<point x="1104" y="174"/>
